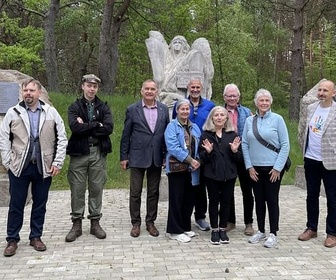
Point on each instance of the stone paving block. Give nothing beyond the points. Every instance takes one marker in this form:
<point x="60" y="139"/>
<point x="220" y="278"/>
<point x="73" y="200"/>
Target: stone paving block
<point x="120" y="256"/>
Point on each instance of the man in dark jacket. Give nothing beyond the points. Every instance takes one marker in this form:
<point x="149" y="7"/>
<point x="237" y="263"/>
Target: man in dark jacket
<point x="91" y="124"/>
<point x="142" y="149"/>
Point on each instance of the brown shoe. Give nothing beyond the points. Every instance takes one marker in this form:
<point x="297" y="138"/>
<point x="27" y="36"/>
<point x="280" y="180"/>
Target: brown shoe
<point x="152" y="230"/>
<point x="307" y="235"/>
<point x="330" y="241"/>
<point x="38" y="244"/>
<point x="10" y="249"/>
<point x="135" y="231"/>
<point x="249" y="231"/>
<point x="230" y="226"/>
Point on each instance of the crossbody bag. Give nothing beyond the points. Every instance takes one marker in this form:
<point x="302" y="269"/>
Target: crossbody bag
<point x="266" y="144"/>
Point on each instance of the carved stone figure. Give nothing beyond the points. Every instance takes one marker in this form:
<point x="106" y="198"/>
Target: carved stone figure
<point x="173" y="65"/>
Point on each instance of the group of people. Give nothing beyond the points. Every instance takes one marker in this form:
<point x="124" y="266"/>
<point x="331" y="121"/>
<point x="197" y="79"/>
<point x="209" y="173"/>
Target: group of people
<point x="204" y="149"/>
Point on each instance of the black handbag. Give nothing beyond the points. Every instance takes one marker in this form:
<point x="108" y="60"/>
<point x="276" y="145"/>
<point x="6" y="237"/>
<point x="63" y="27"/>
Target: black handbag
<point x="266" y="144"/>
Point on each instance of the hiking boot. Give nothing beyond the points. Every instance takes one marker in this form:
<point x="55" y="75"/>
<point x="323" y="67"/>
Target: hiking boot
<point x="96" y="229"/>
<point x="75" y="231"/>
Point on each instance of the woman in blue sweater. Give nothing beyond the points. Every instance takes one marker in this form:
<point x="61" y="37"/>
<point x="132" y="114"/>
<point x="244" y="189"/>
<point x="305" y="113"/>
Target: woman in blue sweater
<point x="265" y="166"/>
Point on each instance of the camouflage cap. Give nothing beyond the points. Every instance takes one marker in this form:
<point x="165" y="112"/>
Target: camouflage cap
<point x="91" y="78"/>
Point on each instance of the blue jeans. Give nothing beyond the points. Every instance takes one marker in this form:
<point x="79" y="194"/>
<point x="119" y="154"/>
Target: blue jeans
<point x="315" y="172"/>
<point x="18" y="190"/>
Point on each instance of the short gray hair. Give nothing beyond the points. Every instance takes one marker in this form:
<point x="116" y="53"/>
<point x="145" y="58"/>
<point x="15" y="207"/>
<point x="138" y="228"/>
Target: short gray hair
<point x="182" y="102"/>
<point x="262" y="92"/>
<point x="228" y="86"/>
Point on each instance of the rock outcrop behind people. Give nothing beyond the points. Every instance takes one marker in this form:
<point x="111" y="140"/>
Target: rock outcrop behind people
<point x="10" y="76"/>
<point x="309" y="98"/>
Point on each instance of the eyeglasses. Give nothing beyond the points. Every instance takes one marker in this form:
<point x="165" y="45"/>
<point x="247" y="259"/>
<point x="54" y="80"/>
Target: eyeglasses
<point x="231" y="96"/>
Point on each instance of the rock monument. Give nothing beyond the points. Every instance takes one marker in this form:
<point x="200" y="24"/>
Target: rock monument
<point x="173" y="65"/>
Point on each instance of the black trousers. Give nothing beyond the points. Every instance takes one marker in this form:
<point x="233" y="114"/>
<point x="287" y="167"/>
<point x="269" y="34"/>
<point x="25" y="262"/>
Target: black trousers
<point x="220" y="193"/>
<point x="201" y="199"/>
<point x="266" y="194"/>
<point x="247" y="193"/>
<point x="181" y="202"/>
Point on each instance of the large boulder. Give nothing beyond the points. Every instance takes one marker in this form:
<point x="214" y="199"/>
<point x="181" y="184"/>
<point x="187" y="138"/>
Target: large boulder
<point x="309" y="98"/>
<point x="16" y="76"/>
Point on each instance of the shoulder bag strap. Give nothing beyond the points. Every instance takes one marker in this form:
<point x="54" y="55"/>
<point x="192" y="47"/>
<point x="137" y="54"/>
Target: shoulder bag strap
<point x="260" y="139"/>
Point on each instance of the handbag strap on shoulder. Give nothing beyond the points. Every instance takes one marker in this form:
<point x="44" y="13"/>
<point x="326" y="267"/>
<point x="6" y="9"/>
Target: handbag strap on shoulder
<point x="260" y="139"/>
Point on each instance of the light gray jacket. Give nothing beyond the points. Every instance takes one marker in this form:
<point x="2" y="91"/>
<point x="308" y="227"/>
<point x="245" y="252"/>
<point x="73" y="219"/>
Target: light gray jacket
<point x="15" y="133"/>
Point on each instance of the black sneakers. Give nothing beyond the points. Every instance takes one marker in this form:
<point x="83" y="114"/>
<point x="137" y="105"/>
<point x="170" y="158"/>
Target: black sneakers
<point x="224" y="239"/>
<point x="215" y="239"/>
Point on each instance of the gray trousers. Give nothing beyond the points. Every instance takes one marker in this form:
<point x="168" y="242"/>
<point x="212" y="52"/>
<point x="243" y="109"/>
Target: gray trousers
<point x="89" y="170"/>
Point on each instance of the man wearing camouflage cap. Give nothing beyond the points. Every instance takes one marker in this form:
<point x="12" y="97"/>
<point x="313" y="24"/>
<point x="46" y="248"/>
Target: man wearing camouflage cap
<point x="90" y="121"/>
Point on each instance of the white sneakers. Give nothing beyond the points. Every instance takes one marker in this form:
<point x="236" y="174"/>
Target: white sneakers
<point x="190" y="233"/>
<point x="257" y="237"/>
<point x="183" y="237"/>
<point x="180" y="237"/>
<point x="271" y="241"/>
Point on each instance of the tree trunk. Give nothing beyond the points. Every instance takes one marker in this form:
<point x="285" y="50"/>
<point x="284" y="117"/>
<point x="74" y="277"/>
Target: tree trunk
<point x="50" y="46"/>
<point x="108" y="44"/>
<point x="297" y="77"/>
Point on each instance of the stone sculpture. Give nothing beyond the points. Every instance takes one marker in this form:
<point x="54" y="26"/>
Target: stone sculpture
<point x="173" y="65"/>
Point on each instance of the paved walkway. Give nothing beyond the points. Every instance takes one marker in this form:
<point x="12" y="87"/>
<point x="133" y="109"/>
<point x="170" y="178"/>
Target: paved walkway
<point x="120" y="256"/>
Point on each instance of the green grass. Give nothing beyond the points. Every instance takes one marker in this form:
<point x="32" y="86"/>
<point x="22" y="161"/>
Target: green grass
<point x="118" y="178"/>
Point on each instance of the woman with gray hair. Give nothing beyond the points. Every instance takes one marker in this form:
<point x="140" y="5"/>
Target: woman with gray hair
<point x="182" y="167"/>
<point x="219" y="151"/>
<point x="265" y="165"/>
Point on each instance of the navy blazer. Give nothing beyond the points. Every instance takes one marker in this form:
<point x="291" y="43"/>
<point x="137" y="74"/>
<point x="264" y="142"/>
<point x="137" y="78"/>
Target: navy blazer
<point x="138" y="143"/>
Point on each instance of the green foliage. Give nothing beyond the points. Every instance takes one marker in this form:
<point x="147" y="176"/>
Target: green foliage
<point x="19" y="58"/>
<point x="22" y="51"/>
<point x="324" y="56"/>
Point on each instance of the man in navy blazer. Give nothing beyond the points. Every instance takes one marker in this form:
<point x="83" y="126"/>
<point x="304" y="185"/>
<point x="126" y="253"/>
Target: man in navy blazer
<point x="142" y="149"/>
